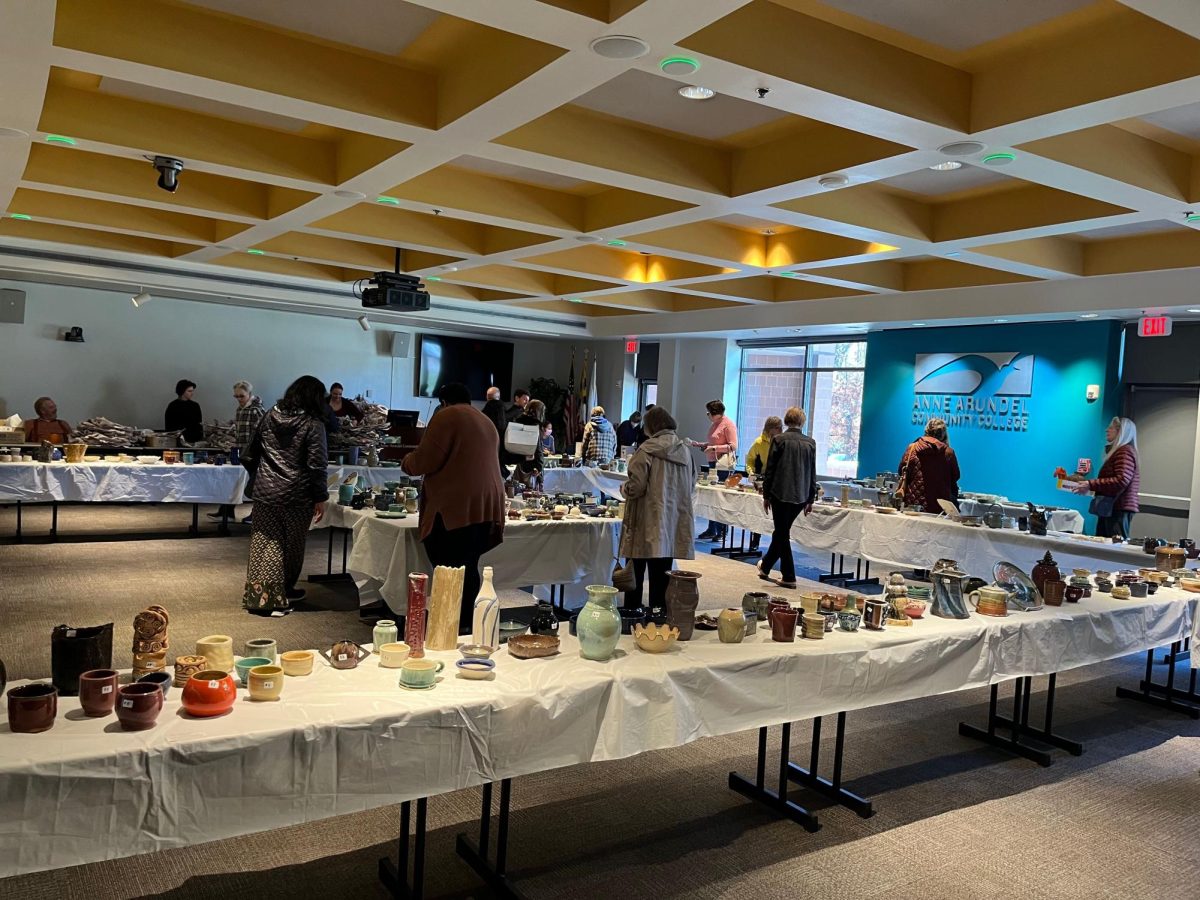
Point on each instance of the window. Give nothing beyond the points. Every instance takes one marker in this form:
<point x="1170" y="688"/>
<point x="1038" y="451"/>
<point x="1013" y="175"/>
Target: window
<point x="825" y="380"/>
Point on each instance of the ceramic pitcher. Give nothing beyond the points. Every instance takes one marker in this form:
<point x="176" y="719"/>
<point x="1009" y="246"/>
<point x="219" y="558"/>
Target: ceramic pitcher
<point x="948" y="601"/>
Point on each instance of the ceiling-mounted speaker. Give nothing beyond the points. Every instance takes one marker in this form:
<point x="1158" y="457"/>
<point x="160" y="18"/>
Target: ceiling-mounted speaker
<point x="12" y="306"/>
<point x="619" y="46"/>
<point x="401" y="344"/>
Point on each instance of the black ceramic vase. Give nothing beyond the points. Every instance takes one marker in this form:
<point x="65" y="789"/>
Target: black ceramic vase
<point x="74" y="651"/>
<point x="544" y="620"/>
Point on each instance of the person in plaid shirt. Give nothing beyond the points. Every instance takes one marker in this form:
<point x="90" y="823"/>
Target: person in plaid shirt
<point x="249" y="413"/>
<point x="599" y="440"/>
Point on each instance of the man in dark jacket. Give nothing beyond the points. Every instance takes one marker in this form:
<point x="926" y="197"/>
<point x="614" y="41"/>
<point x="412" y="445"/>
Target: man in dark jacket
<point x="520" y="399"/>
<point x="494" y="410"/>
<point x="789" y="488"/>
<point x="627" y="431"/>
<point x="929" y="469"/>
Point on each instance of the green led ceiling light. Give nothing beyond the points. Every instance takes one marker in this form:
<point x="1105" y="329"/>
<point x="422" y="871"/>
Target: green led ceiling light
<point x="574" y="300"/>
<point x="790" y="274"/>
<point x="678" y="65"/>
<point x="433" y="278"/>
<point x="60" y="139"/>
<point x="1003" y="158"/>
<point x="24" y="216"/>
<point x="1192" y="217"/>
<point x="616" y="243"/>
<point x="390" y="201"/>
<point x="257" y="252"/>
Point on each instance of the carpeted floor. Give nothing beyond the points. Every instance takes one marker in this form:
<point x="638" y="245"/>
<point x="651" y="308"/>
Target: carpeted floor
<point x="953" y="819"/>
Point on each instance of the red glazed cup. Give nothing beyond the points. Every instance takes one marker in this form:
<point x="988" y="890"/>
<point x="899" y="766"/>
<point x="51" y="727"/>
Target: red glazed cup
<point x="783" y="624"/>
<point x="209" y="693"/>
<point x="32" y="708"/>
<point x="138" y="705"/>
<point x="98" y="692"/>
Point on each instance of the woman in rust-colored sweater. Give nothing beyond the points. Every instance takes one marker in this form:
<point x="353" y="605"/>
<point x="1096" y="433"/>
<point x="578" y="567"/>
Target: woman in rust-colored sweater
<point x="1116" y="484"/>
<point x="462" y="504"/>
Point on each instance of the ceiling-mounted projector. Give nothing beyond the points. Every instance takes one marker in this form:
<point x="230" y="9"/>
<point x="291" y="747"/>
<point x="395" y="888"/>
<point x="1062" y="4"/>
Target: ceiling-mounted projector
<point x="390" y="290"/>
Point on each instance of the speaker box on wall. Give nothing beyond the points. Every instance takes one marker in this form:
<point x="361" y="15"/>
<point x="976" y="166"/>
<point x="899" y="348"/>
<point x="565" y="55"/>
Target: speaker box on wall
<point x="401" y="344"/>
<point x="12" y="306"/>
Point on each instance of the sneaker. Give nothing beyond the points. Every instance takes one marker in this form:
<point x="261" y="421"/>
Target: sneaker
<point x="295" y="594"/>
<point x="249" y="520"/>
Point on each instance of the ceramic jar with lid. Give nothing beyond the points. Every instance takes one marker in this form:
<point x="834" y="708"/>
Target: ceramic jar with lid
<point x="1045" y="570"/>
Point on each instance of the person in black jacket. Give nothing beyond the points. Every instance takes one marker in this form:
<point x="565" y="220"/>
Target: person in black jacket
<point x="494" y="410"/>
<point x="183" y="413"/>
<point x="530" y="466"/>
<point x="789" y="488"/>
<point x="287" y="460"/>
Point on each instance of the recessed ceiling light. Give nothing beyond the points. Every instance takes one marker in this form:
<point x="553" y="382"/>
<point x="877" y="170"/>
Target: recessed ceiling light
<point x="432" y="278"/>
<point x="961" y="148"/>
<point x="449" y="268"/>
<point x="257" y="252"/>
<point x="13" y="133"/>
<point x="574" y="300"/>
<point x="999" y="321"/>
<point x="678" y="65"/>
<point x="696" y="92"/>
<point x="350" y="195"/>
<point x="616" y="243"/>
<point x="619" y="46"/>
<point x="384" y="198"/>
<point x="1089" y="315"/>
<point x="833" y="181"/>
<point x="24" y="216"/>
<point x="60" y="139"/>
<point x="1002" y="158"/>
<point x="948" y="166"/>
<point x="587" y="238"/>
<point x="954" y="253"/>
<point x="918" y="324"/>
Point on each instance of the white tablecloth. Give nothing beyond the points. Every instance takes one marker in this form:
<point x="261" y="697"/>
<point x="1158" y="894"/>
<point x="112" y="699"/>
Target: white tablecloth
<point x="577" y="481"/>
<point x="344" y="741"/>
<point x="568" y="552"/>
<point x="103" y="482"/>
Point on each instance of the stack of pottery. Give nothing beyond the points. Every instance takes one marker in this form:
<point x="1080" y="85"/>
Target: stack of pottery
<point x="683" y="596"/>
<point x="897" y="594"/>
<point x="150" y="641"/>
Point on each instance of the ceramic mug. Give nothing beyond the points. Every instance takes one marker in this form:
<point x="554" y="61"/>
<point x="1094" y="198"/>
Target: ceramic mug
<point x="297" y="662"/>
<point x="990" y="601"/>
<point x="1053" y="591"/>
<point x="98" y="692"/>
<point x="266" y="682"/>
<point x="1074" y="593"/>
<point x="420" y="673"/>
<point x="263" y="647"/>
<point x="392" y="655"/>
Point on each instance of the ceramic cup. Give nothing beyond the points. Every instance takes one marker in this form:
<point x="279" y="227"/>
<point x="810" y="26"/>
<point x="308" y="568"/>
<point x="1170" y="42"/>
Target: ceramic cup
<point x="393" y="655"/>
<point x="814" y="626"/>
<point x="1053" y="592"/>
<point x="1073" y="593"/>
<point x="32" y="708"/>
<point x="783" y="623"/>
<point x="217" y="649"/>
<point x="297" y="662"/>
<point x="849" y="621"/>
<point x="1138" y="589"/>
<point x="138" y="705"/>
<point x="98" y="692"/>
<point x="420" y="673"/>
<point x="266" y="647"/>
<point x="266" y="682"/>
<point x="1103" y="585"/>
<point x="244" y="666"/>
<point x="162" y="679"/>
<point x="189" y="458"/>
<point x="186" y="667"/>
<point x="1121" y="592"/>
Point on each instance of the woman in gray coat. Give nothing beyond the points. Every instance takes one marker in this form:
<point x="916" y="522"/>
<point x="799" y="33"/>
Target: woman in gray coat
<point x="658" y="521"/>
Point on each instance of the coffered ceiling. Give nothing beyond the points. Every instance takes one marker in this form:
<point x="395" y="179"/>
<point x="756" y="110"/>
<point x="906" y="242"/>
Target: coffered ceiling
<point x="512" y="166"/>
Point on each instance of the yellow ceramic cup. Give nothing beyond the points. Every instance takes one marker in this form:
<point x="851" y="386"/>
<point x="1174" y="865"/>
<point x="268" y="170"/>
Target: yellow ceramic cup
<point x="266" y="682"/>
<point x="296" y="662"/>
<point x="393" y="655"/>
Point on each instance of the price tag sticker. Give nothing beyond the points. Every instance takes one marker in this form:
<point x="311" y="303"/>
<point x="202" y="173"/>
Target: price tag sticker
<point x="127" y="704"/>
<point x="71" y="632"/>
<point x="106" y="689"/>
<point x="342" y="657"/>
<point x="214" y="684"/>
<point x="268" y="685"/>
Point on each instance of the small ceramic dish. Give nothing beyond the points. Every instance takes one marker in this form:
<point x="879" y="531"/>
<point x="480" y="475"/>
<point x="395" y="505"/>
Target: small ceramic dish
<point x="532" y="646"/>
<point x="510" y="629"/>
<point x="476" y="651"/>
<point x="914" y="609"/>
<point x="148" y="459"/>
<point x="706" y="622"/>
<point x="654" y="638"/>
<point x="475" y="669"/>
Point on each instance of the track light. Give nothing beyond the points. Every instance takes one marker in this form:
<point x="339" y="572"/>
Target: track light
<point x="140" y="299"/>
<point x="364" y="323"/>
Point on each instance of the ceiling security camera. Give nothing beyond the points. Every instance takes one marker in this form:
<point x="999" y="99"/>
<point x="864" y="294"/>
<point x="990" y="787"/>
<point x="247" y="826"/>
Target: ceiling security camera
<point x="762" y="93"/>
<point x="168" y="172"/>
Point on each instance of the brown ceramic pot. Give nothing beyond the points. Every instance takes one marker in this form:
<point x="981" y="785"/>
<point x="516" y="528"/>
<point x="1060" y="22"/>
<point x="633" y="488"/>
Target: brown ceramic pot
<point x="1053" y="591"/>
<point x="1073" y="593"/>
<point x="1045" y="570"/>
<point x="98" y="692"/>
<point x="138" y="705"/>
<point x="32" y="708"/>
<point x="783" y="624"/>
<point x="683" y="596"/>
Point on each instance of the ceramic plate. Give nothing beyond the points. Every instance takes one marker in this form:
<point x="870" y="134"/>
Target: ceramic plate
<point x="384" y="514"/>
<point x="1023" y="592"/>
<point x="428" y="687"/>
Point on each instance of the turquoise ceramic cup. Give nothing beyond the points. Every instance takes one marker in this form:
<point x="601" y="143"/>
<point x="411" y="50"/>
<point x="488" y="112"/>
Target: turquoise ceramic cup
<point x="189" y="458"/>
<point x="420" y="673"/>
<point x="244" y="666"/>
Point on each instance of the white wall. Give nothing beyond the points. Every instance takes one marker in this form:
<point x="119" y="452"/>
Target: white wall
<point x="692" y="371"/>
<point x="127" y="368"/>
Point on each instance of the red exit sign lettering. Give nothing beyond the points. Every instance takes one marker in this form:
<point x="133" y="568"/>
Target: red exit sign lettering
<point x="1154" y="326"/>
<point x="631" y="346"/>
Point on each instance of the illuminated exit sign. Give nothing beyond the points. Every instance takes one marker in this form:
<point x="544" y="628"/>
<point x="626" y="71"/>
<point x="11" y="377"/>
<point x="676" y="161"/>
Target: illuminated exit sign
<point x="631" y="346"/>
<point x="1154" y="326"/>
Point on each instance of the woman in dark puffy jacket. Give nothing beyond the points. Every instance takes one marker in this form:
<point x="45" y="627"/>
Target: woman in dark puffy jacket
<point x="1116" y="484"/>
<point x="286" y="459"/>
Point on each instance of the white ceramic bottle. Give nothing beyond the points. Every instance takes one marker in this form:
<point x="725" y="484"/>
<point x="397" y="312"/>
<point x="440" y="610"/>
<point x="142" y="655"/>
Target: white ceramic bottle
<point x="486" y="620"/>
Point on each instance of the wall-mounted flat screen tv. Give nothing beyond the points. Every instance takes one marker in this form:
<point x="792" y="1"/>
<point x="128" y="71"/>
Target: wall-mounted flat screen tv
<point x="477" y="364"/>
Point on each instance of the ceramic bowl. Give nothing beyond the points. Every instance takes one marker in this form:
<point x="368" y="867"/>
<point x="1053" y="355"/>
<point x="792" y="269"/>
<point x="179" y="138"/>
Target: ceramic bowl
<point x="162" y="679"/>
<point x="297" y="662"/>
<point x="1121" y="591"/>
<point x="98" y="692"/>
<point x="243" y="667"/>
<point x="914" y="608"/>
<point x="532" y="646"/>
<point x="138" y="705"/>
<point x="510" y="629"/>
<point x="655" y="638"/>
<point x="849" y="621"/>
<point x="266" y="682"/>
<point x="1189" y="584"/>
<point x="476" y="669"/>
<point x="476" y="651"/>
<point x="209" y="693"/>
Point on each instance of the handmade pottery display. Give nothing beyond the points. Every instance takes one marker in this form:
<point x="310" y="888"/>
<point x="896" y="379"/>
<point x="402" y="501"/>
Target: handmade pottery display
<point x="947" y="595"/>
<point x="162" y="680"/>
<point x="393" y="654"/>
<point x="990" y="601"/>
<point x="532" y="646"/>
<point x="150" y="642"/>
<point x="731" y="625"/>
<point x="209" y="693"/>
<point x="263" y="647"/>
<point x="1045" y="570"/>
<point x="683" y="596"/>
<point x="414" y="621"/>
<point x="544" y="620"/>
<point x="384" y="632"/>
<point x="297" y="662"/>
<point x="347" y="655"/>
<point x="420" y="674"/>
<point x="138" y="705"/>
<point x="654" y="638"/>
<point x="783" y="624"/>
<point x="32" y="708"/>
<point x="848" y="621"/>
<point x="74" y="651"/>
<point x="875" y="611"/>
<point x="485" y="620"/>
<point x="218" y="650"/>
<point x="186" y="667"/>
<point x="599" y="624"/>
<point x="243" y="667"/>
<point x="266" y="682"/>
<point x="475" y="669"/>
<point x="98" y="692"/>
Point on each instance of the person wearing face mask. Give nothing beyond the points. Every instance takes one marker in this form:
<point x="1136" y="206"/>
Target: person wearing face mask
<point x="183" y="413"/>
<point x="1115" y="487"/>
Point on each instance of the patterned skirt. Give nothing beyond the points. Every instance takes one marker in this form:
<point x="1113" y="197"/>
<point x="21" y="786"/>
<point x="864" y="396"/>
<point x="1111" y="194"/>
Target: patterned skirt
<point x="277" y="542"/>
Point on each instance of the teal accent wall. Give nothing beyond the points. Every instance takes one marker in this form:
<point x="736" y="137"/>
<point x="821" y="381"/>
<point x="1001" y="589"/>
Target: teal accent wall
<point x="1063" y="424"/>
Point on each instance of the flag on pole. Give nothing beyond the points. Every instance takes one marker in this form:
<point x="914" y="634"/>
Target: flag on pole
<point x="571" y="409"/>
<point x="593" y="399"/>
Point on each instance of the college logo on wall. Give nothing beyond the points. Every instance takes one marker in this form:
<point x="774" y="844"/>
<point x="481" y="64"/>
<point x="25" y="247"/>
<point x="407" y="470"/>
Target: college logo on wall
<point x="973" y="390"/>
<point x="986" y="374"/>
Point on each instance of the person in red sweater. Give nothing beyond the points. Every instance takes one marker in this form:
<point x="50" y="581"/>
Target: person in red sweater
<point x="1116" y="484"/>
<point x="929" y="469"/>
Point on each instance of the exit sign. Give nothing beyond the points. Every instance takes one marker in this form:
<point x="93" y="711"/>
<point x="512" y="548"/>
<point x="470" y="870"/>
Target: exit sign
<point x="631" y="346"/>
<point x="1154" y="326"/>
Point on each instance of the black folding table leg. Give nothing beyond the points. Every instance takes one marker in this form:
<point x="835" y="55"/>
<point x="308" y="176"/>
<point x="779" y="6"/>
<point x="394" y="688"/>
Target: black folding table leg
<point x="18" y="520"/>
<point x="1164" y="696"/>
<point x="1020" y="732"/>
<point x="395" y="876"/>
<point x="54" y="519"/>
<point x="476" y="853"/>
<point x="776" y="800"/>
<point x="832" y="789"/>
<point x="331" y="576"/>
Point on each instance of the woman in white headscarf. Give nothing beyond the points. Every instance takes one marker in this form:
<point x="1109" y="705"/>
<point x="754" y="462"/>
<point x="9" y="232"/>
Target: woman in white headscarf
<point x="1115" y="487"/>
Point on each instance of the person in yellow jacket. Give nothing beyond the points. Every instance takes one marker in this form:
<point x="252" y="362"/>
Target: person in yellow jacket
<point x="756" y="456"/>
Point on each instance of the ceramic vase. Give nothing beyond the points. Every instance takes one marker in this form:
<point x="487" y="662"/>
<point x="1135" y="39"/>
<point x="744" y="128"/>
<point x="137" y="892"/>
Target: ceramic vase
<point x="683" y="596"/>
<point x="384" y="632"/>
<point x="414" y="620"/>
<point x="209" y="693"/>
<point x="544" y="620"/>
<point x="1045" y="570"/>
<point x="138" y="705"/>
<point x="485" y="618"/>
<point x="783" y="624"/>
<point x="731" y="625"/>
<point x="98" y="692"/>
<point x="218" y="650"/>
<point x="74" y="651"/>
<point x="599" y="624"/>
<point x="948" y="600"/>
